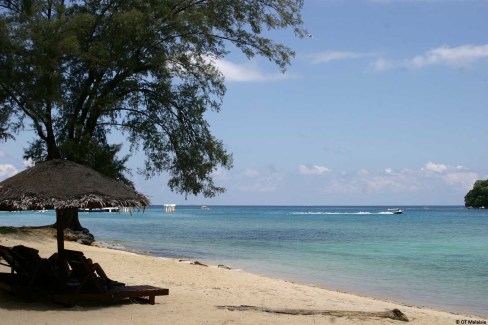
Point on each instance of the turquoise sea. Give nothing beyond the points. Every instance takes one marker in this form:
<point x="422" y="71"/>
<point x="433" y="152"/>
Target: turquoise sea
<point x="434" y="256"/>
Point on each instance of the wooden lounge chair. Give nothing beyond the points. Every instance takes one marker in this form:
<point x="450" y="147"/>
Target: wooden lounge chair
<point x="88" y="282"/>
<point x="28" y="271"/>
<point x="11" y="282"/>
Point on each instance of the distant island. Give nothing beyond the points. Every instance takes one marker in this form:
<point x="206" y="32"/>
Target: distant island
<point x="478" y="196"/>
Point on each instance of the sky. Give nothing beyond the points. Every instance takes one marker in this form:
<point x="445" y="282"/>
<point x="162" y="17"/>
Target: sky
<point x="383" y="104"/>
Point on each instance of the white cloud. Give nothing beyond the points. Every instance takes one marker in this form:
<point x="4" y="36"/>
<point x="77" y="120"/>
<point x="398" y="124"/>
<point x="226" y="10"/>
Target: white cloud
<point x="328" y="56"/>
<point x="456" y="56"/>
<point x="361" y="182"/>
<point x="245" y="72"/>
<point x="219" y="173"/>
<point x="466" y="179"/>
<point x="258" y="180"/>
<point x="412" y="1"/>
<point x="28" y="163"/>
<point x="7" y="170"/>
<point x="313" y="170"/>
<point x="382" y="65"/>
<point x="451" y="175"/>
<point x="460" y="56"/>
<point x="431" y="175"/>
<point x="261" y="182"/>
<point x="430" y="180"/>
<point x="436" y="168"/>
<point x="250" y="173"/>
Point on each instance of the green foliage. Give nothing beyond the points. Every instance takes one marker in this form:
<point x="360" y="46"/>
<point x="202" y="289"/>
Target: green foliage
<point x="75" y="70"/>
<point x="478" y="196"/>
<point x="4" y="128"/>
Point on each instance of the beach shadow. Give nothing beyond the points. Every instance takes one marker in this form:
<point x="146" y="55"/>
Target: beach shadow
<point x="45" y="303"/>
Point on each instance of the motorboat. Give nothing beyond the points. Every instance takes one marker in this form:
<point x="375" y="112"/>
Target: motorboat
<point x="395" y="211"/>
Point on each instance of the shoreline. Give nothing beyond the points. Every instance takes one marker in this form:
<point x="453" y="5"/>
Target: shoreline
<point x="277" y="275"/>
<point x="196" y="291"/>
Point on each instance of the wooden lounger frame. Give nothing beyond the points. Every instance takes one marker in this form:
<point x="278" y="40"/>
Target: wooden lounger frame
<point x="28" y="274"/>
<point x="143" y="293"/>
<point x="15" y="284"/>
<point x="98" y="291"/>
<point x="23" y="281"/>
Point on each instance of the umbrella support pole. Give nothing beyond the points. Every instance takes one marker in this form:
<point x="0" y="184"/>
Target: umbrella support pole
<point x="63" y="271"/>
<point x="60" y="230"/>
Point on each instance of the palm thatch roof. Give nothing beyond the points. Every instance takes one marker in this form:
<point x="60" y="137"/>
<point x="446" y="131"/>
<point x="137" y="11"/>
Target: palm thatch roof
<point x="61" y="184"/>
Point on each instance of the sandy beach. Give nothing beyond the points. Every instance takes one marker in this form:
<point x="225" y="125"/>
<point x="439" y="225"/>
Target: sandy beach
<point x="195" y="293"/>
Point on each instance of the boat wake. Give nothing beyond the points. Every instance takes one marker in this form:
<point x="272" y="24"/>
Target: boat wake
<point x="341" y="213"/>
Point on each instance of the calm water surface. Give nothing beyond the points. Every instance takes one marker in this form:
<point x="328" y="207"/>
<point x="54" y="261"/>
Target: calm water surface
<point x="433" y="256"/>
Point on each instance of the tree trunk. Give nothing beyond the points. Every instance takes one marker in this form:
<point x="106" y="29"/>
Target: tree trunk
<point x="69" y="219"/>
<point x="52" y="148"/>
<point x="69" y="228"/>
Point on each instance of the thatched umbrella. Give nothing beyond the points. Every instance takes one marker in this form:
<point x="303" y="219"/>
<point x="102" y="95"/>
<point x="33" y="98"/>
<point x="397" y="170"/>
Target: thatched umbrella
<point x="65" y="186"/>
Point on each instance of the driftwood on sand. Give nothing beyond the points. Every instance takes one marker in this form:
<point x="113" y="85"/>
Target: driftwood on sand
<point x="394" y="314"/>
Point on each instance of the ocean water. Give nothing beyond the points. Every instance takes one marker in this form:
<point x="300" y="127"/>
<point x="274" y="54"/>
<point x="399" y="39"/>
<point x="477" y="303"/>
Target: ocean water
<point x="430" y="256"/>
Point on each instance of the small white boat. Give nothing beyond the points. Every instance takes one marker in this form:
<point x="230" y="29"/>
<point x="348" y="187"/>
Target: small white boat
<point x="204" y="207"/>
<point x="395" y="211"/>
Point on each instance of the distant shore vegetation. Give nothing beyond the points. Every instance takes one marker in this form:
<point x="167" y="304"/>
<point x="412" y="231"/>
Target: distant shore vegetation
<point x="478" y="196"/>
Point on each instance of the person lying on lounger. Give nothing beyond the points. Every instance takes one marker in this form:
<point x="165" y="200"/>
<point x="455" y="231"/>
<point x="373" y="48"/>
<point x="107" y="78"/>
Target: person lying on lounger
<point x="102" y="275"/>
<point x="77" y="273"/>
